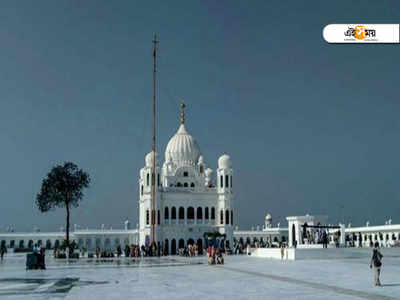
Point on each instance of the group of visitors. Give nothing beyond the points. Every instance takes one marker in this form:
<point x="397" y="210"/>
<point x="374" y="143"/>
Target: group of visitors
<point x="190" y="250"/>
<point x="315" y="236"/>
<point x="36" y="260"/>
<point x="134" y="251"/>
<point x="215" y="256"/>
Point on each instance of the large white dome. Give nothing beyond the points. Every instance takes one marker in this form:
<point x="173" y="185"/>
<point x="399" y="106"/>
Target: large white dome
<point x="182" y="148"/>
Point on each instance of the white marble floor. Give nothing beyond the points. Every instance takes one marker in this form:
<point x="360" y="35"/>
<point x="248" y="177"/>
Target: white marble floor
<point x="184" y="278"/>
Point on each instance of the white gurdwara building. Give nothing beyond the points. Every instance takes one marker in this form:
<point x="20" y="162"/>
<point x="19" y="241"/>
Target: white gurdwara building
<point x="189" y="201"/>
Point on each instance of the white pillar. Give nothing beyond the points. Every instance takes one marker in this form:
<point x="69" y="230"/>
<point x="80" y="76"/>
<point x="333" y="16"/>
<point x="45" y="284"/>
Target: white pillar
<point x="342" y="235"/>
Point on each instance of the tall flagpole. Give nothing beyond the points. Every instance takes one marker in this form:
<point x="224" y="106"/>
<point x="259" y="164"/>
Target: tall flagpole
<point x="153" y="148"/>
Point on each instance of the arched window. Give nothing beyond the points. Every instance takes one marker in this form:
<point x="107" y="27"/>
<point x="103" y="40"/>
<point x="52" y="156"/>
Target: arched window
<point x="141" y="189"/>
<point x="147" y="217"/>
<point x="206" y="216"/>
<point x="166" y="213"/>
<point x="179" y="184"/>
<point x="185" y="184"/>
<point x="227" y="217"/>
<point x="192" y="185"/>
<point x="166" y="250"/>
<point x="173" y="213"/>
<point x="173" y="247"/>
<point x="181" y="244"/>
<point x="199" y="213"/>
<point x="231" y="182"/>
<point x="153" y="216"/>
<point x="181" y="213"/>
<point x="107" y="243"/>
<point x="231" y="216"/>
<point x="190" y="213"/>
<point x="212" y="213"/>
<point x="221" y="215"/>
<point x="226" y="181"/>
<point x="158" y="179"/>
<point x="158" y="217"/>
<point x="201" y="169"/>
<point x="185" y="174"/>
<point x="221" y="181"/>
<point x="148" y="179"/>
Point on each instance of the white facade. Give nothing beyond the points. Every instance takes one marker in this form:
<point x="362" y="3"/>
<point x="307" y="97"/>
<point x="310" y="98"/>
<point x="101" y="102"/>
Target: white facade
<point x="189" y="201"/>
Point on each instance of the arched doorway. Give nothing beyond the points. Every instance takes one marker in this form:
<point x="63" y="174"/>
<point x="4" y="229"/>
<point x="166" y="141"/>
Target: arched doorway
<point x="190" y="242"/>
<point x="200" y="246"/>
<point x="293" y="235"/>
<point x="190" y="213"/>
<point x="181" y="244"/>
<point x="88" y="244"/>
<point x="48" y="244"/>
<point x="57" y="244"/>
<point x="30" y="244"/>
<point x="166" y="248"/>
<point x="173" y="247"/>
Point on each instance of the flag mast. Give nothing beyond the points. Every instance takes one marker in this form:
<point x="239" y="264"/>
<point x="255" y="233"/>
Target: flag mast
<point x="153" y="148"/>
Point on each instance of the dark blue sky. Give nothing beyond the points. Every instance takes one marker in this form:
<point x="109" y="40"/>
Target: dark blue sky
<point x="311" y="127"/>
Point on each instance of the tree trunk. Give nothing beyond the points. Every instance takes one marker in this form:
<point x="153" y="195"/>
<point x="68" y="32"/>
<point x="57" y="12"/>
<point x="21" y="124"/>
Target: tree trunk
<point x="67" y="227"/>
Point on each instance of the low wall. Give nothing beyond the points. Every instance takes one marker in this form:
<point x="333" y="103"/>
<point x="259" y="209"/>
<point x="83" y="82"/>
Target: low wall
<point x="331" y="253"/>
<point x="274" y="253"/>
<point x="316" y="254"/>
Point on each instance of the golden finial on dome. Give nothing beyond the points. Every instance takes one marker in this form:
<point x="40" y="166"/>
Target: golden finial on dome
<point x="183" y="112"/>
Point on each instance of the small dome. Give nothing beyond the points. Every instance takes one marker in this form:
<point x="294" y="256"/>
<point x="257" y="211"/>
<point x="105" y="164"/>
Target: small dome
<point x="268" y="217"/>
<point x="201" y="159"/>
<point x="224" y="162"/>
<point x="182" y="147"/>
<point x="208" y="172"/>
<point x="149" y="159"/>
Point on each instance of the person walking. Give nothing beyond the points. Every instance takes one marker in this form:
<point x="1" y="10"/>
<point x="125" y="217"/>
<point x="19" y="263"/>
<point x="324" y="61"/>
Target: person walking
<point x="376" y="262"/>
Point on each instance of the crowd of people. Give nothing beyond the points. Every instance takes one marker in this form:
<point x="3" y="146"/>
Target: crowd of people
<point x="317" y="236"/>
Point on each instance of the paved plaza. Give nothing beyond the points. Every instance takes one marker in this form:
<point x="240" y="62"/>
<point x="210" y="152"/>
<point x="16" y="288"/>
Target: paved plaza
<point x="241" y="277"/>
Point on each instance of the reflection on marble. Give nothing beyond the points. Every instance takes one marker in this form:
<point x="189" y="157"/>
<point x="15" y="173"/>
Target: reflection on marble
<point x="170" y="278"/>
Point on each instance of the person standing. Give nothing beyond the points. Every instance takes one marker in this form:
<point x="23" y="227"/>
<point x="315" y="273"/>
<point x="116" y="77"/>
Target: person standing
<point x="376" y="262"/>
<point x="3" y="250"/>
